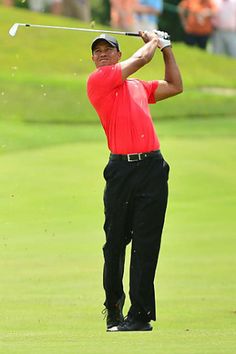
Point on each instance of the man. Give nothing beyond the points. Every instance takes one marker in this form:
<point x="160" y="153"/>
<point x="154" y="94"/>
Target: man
<point x="135" y="15"/>
<point x="136" y="175"/>
<point x="196" y="17"/>
<point x="8" y="2"/>
<point x="224" y="35"/>
<point x="55" y="6"/>
<point x="147" y="13"/>
<point x="121" y="13"/>
<point x="77" y="8"/>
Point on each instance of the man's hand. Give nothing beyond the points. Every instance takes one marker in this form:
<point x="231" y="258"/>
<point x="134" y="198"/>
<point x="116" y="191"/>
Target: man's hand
<point x="147" y="36"/>
<point x="162" y="37"/>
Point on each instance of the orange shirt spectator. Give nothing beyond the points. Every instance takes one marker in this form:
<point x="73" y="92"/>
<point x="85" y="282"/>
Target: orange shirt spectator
<point x="196" y="15"/>
<point x="7" y="2"/>
<point x="122" y="14"/>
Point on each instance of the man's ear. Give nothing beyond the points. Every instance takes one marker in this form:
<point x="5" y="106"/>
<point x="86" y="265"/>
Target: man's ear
<point x="120" y="55"/>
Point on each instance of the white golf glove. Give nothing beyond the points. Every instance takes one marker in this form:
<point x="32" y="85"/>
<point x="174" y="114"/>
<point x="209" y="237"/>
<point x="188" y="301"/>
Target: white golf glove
<point x="164" y="39"/>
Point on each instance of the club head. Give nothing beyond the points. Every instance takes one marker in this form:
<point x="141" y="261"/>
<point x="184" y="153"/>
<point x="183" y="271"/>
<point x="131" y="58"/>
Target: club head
<point x="13" y="29"/>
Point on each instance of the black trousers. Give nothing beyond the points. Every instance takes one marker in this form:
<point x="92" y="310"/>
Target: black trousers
<point x="199" y="40"/>
<point x="135" y="200"/>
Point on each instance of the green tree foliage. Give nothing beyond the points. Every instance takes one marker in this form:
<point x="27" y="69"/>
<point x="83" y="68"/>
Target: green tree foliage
<point x="170" y="21"/>
<point x="100" y="10"/>
<point x="21" y="3"/>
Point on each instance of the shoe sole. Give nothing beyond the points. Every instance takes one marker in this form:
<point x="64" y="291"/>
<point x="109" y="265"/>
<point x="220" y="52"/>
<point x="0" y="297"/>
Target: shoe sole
<point x="117" y="329"/>
<point x="112" y="329"/>
<point x="134" y="330"/>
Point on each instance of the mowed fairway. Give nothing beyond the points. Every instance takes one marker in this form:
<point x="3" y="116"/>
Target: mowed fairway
<point x="51" y="242"/>
<point x="52" y="155"/>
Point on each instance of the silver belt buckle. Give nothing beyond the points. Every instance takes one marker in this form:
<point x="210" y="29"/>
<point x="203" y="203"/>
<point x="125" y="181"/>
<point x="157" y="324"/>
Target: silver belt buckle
<point x="129" y="157"/>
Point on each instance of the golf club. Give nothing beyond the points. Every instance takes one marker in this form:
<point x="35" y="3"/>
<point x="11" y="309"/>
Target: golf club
<point x="15" y="27"/>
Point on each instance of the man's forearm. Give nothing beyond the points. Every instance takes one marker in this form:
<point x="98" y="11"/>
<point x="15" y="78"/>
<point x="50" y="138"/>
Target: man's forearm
<point x="172" y="73"/>
<point x="144" y="9"/>
<point x="147" y="52"/>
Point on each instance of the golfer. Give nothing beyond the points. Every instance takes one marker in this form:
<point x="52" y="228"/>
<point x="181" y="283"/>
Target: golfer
<point x="136" y="175"/>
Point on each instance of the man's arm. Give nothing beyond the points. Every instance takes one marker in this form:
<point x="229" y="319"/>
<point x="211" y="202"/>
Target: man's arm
<point x="148" y="7"/>
<point x="144" y="9"/>
<point x="172" y="84"/>
<point x="143" y="56"/>
<point x="183" y="11"/>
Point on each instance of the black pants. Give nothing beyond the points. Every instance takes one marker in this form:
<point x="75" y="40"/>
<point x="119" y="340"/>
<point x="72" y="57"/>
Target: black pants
<point x="198" y="40"/>
<point x="135" y="200"/>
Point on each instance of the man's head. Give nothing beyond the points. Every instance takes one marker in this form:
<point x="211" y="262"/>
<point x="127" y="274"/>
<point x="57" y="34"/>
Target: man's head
<point x="105" y="50"/>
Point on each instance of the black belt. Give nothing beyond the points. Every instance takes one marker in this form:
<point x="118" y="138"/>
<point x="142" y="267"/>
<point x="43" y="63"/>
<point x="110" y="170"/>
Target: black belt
<point x="135" y="157"/>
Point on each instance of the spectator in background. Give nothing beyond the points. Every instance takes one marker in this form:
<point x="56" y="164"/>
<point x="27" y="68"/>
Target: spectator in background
<point x="77" y="8"/>
<point x="196" y="18"/>
<point x="147" y="13"/>
<point x="224" y="36"/>
<point x="54" y="6"/>
<point x="134" y="15"/>
<point x="122" y="14"/>
<point x="8" y="2"/>
<point x="71" y="8"/>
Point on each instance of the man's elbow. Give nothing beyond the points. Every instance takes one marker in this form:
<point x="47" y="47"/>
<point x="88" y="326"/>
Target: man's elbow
<point x="180" y="89"/>
<point x="177" y="89"/>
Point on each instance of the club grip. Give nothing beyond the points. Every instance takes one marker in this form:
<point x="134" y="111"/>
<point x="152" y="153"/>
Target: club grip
<point x="136" y="34"/>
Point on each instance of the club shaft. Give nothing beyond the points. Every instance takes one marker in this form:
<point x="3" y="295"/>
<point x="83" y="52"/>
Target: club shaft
<point x="82" y="29"/>
<point x="14" y="29"/>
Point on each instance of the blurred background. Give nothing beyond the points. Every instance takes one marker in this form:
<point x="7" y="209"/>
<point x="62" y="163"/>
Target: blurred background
<point x="201" y="18"/>
<point x="52" y="154"/>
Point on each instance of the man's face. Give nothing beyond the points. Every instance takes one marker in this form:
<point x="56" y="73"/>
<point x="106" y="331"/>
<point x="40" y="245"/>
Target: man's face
<point x="105" y="54"/>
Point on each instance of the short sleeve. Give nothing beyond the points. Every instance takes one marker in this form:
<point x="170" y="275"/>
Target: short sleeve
<point x="150" y="88"/>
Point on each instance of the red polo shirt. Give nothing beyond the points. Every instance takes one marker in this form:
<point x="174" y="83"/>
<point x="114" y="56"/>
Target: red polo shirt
<point x="123" y="109"/>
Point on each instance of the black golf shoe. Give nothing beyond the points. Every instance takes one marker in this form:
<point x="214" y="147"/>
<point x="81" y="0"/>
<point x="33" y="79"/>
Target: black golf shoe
<point x="114" y="315"/>
<point x="134" y="324"/>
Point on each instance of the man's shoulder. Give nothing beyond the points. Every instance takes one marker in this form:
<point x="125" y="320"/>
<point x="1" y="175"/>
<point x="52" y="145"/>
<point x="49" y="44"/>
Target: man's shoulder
<point x="104" y="71"/>
<point x="106" y="68"/>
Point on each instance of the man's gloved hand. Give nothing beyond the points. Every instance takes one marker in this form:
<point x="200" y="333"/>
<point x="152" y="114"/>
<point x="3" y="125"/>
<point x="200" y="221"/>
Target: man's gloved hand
<point x="163" y="39"/>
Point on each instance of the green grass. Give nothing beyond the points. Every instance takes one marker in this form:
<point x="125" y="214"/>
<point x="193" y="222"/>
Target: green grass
<point x="51" y="192"/>
<point x="51" y="240"/>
